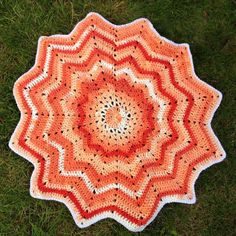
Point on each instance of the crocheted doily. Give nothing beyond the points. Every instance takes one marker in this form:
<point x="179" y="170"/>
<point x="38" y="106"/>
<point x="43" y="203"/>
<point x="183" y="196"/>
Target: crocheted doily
<point x="115" y="122"/>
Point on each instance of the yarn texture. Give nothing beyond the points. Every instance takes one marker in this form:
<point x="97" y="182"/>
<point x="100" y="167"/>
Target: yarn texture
<point x="115" y="122"/>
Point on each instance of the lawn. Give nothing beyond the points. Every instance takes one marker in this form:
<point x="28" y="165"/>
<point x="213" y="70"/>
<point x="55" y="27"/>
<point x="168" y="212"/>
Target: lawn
<point x="209" y="28"/>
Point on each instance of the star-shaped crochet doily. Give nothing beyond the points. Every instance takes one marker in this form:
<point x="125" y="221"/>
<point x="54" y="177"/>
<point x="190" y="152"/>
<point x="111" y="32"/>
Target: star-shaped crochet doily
<point x="115" y="121"/>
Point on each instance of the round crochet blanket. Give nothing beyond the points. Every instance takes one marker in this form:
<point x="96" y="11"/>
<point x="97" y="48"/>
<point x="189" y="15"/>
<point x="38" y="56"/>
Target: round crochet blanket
<point x="115" y="122"/>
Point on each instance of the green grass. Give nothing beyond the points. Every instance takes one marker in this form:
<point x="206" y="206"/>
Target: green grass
<point x="209" y="28"/>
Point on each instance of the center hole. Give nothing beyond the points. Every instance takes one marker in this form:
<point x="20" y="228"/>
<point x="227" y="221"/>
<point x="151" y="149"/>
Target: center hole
<point x="113" y="117"/>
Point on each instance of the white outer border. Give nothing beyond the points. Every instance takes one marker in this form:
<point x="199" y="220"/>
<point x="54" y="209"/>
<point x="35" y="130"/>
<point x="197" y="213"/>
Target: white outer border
<point x="168" y="199"/>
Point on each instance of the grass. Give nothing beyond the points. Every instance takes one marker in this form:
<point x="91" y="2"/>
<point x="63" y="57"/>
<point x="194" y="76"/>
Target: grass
<point x="208" y="26"/>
